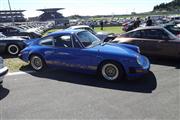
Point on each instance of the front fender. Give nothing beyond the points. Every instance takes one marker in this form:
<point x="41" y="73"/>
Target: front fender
<point x="131" y="47"/>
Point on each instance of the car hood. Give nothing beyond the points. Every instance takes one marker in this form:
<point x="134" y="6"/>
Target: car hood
<point x="13" y="38"/>
<point x="118" y="49"/>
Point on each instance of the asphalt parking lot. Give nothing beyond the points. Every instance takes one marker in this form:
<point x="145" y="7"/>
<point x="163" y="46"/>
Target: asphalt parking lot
<point x="66" y="95"/>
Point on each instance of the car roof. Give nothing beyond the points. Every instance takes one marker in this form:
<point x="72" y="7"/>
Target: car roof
<point x="78" y="26"/>
<point x="65" y="32"/>
<point x="148" y="27"/>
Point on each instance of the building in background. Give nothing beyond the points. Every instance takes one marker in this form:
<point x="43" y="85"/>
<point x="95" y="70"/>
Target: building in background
<point x="52" y="14"/>
<point x="13" y="15"/>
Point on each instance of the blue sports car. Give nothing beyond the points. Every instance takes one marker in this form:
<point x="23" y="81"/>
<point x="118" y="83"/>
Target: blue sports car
<point x="81" y="51"/>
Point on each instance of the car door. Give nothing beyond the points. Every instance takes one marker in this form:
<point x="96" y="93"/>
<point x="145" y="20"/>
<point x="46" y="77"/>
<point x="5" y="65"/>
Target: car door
<point x="12" y="32"/>
<point x="71" y="55"/>
<point x="135" y="38"/>
<point x="48" y="50"/>
<point x="167" y="44"/>
<point x="150" y="41"/>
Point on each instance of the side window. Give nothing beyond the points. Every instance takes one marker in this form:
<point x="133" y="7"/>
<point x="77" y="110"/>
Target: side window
<point x="12" y="30"/>
<point x="3" y="30"/>
<point x="134" y="34"/>
<point x="48" y="41"/>
<point x="154" y="34"/>
<point x="1" y="35"/>
<point x="63" y="41"/>
<point x="76" y="43"/>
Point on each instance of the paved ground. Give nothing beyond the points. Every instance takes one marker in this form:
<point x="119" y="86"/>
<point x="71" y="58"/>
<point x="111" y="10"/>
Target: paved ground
<point x="66" y="95"/>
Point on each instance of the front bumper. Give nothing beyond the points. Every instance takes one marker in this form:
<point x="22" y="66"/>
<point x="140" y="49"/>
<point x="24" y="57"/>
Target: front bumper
<point x="3" y="72"/>
<point x="135" y="72"/>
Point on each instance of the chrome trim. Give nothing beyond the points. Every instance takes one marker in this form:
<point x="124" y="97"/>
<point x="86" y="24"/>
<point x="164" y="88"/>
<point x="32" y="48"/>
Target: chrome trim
<point x="72" y="65"/>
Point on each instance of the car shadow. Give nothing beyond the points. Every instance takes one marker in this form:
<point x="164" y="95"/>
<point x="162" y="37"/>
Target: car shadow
<point x="6" y="56"/>
<point x="145" y="85"/>
<point x="165" y="61"/>
<point x="3" y="92"/>
<point x="25" y="68"/>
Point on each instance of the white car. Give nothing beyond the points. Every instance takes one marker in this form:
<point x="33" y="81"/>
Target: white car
<point x="3" y="70"/>
<point x="104" y="36"/>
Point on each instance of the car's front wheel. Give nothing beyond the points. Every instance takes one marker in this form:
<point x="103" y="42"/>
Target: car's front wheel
<point x="37" y="63"/>
<point x="111" y="71"/>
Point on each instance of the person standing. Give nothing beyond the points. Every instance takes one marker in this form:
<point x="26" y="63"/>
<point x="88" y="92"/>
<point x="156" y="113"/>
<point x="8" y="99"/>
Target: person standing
<point x="137" y="23"/>
<point x="92" y="24"/>
<point x="101" y="24"/>
<point x="149" y="22"/>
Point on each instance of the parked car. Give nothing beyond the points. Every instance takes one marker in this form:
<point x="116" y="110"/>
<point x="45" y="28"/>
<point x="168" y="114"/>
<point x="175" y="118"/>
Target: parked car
<point x="104" y="36"/>
<point x="3" y="70"/>
<point x="128" y="26"/>
<point x="11" y="45"/>
<point x="153" y="40"/>
<point x="81" y="51"/>
<point x="15" y="31"/>
<point x="173" y="28"/>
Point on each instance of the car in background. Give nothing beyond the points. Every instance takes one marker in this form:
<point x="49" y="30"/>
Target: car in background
<point x="154" y="40"/>
<point x="3" y="70"/>
<point x="11" y="45"/>
<point x="173" y="28"/>
<point x="104" y="36"/>
<point x="128" y="26"/>
<point x="15" y="31"/>
<point x="82" y="51"/>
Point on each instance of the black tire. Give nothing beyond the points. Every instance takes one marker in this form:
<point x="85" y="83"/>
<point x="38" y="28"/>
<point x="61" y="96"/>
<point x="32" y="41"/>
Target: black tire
<point x="111" y="71"/>
<point x="37" y="63"/>
<point x="13" y="49"/>
<point x="1" y="83"/>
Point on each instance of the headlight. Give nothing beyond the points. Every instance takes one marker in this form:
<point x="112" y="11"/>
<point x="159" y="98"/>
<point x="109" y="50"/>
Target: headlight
<point x="140" y="60"/>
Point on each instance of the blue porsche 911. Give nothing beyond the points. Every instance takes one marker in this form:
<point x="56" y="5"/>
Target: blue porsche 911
<point x="81" y="51"/>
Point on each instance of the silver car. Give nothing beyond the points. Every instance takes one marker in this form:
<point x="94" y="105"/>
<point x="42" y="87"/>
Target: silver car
<point x="104" y="36"/>
<point x="3" y="70"/>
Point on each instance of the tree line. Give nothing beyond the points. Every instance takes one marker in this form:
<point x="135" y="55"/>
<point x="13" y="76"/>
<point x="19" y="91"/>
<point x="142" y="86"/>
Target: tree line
<point x="171" y="6"/>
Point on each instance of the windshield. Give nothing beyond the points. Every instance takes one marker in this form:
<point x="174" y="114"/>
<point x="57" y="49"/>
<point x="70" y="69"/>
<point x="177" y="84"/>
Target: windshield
<point x="88" y="39"/>
<point x="88" y="29"/>
<point x="171" y="36"/>
<point x="2" y="36"/>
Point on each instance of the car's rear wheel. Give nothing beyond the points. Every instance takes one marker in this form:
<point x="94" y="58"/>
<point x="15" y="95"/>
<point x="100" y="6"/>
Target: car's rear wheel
<point x="111" y="71"/>
<point x="37" y="63"/>
<point x="13" y="49"/>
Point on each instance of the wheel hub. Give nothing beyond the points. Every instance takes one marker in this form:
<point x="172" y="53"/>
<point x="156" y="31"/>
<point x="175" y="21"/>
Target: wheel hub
<point x="36" y="63"/>
<point x="110" y="72"/>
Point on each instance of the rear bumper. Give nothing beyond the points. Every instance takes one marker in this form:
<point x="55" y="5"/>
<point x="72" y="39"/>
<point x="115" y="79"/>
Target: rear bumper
<point x="3" y="72"/>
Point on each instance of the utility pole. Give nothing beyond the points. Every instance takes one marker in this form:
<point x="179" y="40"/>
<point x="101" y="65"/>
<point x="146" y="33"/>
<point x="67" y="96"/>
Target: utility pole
<point x="11" y="12"/>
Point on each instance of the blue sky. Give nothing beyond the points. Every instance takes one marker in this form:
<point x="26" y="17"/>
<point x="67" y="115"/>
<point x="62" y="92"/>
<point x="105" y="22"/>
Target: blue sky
<point x="82" y="7"/>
